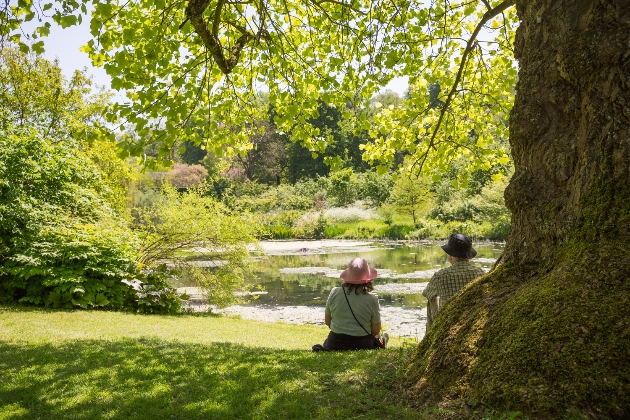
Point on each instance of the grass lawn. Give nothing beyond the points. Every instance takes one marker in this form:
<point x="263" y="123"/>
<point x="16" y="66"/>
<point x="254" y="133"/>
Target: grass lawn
<point x="102" y="365"/>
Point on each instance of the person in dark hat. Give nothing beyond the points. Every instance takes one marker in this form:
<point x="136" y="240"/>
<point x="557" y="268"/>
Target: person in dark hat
<point x="448" y="281"/>
<point x="353" y="312"/>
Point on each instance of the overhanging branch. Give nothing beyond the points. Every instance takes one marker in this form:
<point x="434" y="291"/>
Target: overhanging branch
<point x="469" y="47"/>
<point x="195" y="14"/>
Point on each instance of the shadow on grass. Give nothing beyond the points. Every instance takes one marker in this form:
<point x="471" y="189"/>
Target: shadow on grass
<point x="158" y="379"/>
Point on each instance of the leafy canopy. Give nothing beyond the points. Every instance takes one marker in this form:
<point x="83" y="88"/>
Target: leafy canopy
<point x="199" y="63"/>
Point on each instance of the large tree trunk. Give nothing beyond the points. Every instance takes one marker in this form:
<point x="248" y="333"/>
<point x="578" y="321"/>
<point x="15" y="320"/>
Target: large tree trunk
<point x="549" y="330"/>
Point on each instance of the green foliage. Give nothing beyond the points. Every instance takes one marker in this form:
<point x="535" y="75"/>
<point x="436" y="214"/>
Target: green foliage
<point x="311" y="225"/>
<point x="398" y="231"/>
<point x="334" y="231"/>
<point x="61" y="243"/>
<point x="280" y="232"/>
<point x="411" y="195"/>
<point x="185" y="227"/>
<point x="116" y="174"/>
<point x="489" y="205"/>
<point x="374" y="188"/>
<point x="460" y="95"/>
<point x="35" y="95"/>
<point x="342" y="190"/>
<point x="368" y="229"/>
<point x="193" y="154"/>
<point x="302" y="195"/>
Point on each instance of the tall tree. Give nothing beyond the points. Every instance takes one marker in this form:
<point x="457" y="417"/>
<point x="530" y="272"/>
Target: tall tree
<point x="548" y="329"/>
<point x="34" y="94"/>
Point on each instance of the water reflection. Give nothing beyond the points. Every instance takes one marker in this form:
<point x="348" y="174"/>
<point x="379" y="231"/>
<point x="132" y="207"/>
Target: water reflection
<point x="301" y="278"/>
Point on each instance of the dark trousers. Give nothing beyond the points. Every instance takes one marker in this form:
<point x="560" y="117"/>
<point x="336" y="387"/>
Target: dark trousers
<point x="350" y="342"/>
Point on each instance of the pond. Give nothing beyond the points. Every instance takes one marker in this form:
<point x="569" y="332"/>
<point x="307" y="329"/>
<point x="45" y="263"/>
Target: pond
<point x="297" y="276"/>
<point x="303" y="273"/>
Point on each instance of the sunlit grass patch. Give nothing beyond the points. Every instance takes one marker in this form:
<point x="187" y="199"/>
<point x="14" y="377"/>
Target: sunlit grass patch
<point x="87" y="365"/>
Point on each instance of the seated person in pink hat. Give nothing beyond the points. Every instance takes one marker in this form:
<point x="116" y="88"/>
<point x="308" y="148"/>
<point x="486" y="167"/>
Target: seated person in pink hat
<point x="352" y="311"/>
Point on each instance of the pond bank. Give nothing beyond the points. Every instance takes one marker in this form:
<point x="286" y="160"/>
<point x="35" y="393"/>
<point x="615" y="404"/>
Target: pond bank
<point x="399" y="322"/>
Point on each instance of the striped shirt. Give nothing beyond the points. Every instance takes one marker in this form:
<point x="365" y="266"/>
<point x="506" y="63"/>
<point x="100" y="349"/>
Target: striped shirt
<point x="448" y="281"/>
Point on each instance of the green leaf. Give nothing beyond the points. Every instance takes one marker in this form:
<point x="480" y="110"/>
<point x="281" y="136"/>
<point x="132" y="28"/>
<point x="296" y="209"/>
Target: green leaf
<point x="100" y="300"/>
<point x="38" y="47"/>
<point x="80" y="302"/>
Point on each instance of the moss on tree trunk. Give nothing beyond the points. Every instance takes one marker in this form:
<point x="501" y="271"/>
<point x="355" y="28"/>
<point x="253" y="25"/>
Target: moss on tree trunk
<point x="549" y="329"/>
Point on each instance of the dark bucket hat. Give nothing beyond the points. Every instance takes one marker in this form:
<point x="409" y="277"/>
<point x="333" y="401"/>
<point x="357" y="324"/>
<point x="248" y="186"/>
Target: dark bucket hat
<point x="459" y="246"/>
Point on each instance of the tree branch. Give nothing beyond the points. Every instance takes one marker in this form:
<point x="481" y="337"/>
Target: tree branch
<point x="194" y="13"/>
<point x="469" y="47"/>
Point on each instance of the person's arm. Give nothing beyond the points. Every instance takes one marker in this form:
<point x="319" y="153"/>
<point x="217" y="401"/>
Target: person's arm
<point x="430" y="291"/>
<point x="376" y="328"/>
<point x="327" y="320"/>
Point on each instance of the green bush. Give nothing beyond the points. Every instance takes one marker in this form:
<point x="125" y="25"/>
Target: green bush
<point x="374" y="188"/>
<point x="280" y="232"/>
<point x="286" y="197"/>
<point x="311" y="226"/>
<point x="342" y="188"/>
<point x="495" y="231"/>
<point x="185" y="227"/>
<point x="397" y="230"/>
<point x="334" y="231"/>
<point x="61" y="242"/>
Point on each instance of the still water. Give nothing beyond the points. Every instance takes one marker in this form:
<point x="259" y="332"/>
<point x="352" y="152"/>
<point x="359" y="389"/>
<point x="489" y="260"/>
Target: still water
<point x="303" y="273"/>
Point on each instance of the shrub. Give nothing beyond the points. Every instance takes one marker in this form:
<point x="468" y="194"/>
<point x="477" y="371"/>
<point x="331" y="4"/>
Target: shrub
<point x="61" y="243"/>
<point x="310" y="187"/>
<point x="288" y="197"/>
<point x="311" y="225"/>
<point x="398" y="231"/>
<point x="341" y="189"/>
<point x="374" y="188"/>
<point x="349" y="214"/>
<point x="186" y="176"/>
<point x="427" y="228"/>
<point x="184" y="227"/>
<point x="280" y="225"/>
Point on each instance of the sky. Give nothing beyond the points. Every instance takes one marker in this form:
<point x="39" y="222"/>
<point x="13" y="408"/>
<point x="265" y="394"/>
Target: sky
<point x="64" y="44"/>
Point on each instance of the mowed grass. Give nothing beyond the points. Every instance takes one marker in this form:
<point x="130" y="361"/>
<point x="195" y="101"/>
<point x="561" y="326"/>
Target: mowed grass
<point x="108" y="365"/>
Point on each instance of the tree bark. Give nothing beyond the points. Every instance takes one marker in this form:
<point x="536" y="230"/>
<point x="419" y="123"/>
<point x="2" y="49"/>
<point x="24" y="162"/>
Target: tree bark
<point x="569" y="125"/>
<point x="548" y="330"/>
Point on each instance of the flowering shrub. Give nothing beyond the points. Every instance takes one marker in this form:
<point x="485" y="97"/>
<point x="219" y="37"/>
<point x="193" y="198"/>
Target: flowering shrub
<point x="236" y="174"/>
<point x="186" y="176"/>
<point x="349" y="214"/>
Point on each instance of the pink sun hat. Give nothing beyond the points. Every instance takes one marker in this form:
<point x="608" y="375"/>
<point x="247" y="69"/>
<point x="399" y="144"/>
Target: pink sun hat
<point x="358" y="272"/>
